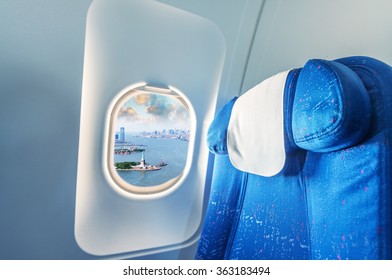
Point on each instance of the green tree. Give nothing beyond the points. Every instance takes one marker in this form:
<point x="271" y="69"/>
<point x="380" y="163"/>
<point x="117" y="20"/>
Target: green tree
<point x="126" y="164"/>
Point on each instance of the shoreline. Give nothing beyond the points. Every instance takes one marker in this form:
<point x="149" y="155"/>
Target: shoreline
<point x="152" y="168"/>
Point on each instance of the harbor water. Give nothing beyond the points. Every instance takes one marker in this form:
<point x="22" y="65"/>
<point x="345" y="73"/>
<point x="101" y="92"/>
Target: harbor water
<point x="173" y="152"/>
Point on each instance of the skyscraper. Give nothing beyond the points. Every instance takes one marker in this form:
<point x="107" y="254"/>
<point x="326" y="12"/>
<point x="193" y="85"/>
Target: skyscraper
<point x="122" y="135"/>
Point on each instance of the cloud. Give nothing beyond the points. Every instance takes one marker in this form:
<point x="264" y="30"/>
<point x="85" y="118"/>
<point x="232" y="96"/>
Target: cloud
<point x="145" y="111"/>
<point x="142" y="98"/>
<point x="178" y="113"/>
<point x="127" y="112"/>
<point x="165" y="108"/>
<point x="158" y="105"/>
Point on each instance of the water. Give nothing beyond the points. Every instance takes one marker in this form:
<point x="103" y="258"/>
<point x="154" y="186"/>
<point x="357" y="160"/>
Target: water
<point x="172" y="151"/>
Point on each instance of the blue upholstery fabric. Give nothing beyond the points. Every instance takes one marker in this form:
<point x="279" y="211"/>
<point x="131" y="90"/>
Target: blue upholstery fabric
<point x="332" y="200"/>
<point x="217" y="132"/>
<point x="328" y="97"/>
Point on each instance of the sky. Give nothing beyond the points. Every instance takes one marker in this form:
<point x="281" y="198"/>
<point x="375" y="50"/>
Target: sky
<point x="149" y="112"/>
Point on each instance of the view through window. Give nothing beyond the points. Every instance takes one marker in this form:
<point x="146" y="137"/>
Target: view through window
<point x="151" y="136"/>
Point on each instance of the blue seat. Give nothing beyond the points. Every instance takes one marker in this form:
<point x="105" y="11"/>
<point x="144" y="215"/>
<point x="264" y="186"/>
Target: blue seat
<point x="331" y="199"/>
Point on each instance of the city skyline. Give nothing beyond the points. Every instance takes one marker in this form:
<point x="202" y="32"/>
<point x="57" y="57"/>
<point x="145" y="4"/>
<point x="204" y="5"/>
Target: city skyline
<point x="174" y="133"/>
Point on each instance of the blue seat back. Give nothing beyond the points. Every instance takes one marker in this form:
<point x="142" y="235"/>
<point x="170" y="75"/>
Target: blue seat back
<point x="332" y="199"/>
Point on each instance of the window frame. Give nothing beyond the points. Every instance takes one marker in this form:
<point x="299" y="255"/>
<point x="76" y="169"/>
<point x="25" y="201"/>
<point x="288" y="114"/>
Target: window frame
<point x="115" y="178"/>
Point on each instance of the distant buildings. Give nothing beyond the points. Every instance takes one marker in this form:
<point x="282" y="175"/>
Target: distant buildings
<point x="180" y="134"/>
<point x="119" y="137"/>
<point x="122" y="134"/>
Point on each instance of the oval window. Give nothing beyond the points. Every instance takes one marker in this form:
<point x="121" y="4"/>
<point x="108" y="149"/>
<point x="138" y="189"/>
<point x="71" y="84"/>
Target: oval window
<point x="151" y="128"/>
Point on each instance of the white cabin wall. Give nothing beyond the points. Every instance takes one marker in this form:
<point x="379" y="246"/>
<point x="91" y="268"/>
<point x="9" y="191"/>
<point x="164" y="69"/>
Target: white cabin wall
<point x="291" y="32"/>
<point x="238" y="22"/>
<point x="41" y="63"/>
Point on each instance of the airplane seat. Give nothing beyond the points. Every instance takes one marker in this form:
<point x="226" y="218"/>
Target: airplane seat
<point x="302" y="166"/>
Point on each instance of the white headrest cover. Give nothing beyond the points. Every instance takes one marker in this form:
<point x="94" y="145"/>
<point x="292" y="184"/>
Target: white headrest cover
<point x="255" y="137"/>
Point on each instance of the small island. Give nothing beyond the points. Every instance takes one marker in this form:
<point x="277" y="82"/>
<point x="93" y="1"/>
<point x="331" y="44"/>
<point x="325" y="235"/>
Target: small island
<point x="138" y="166"/>
<point x="125" y="151"/>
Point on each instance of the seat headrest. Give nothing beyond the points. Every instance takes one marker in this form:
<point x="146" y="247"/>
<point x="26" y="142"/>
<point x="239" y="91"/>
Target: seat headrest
<point x="256" y="128"/>
<point x="330" y="110"/>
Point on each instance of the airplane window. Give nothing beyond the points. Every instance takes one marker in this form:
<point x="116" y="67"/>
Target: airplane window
<point x="150" y="134"/>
